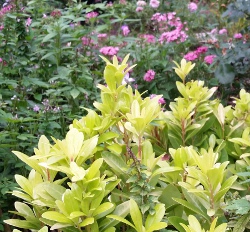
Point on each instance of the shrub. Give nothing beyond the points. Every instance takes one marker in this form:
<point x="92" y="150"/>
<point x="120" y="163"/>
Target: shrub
<point x="133" y="164"/>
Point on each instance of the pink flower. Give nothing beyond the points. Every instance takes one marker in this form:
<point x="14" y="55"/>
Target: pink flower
<point x="149" y="75"/>
<point x="209" y="59"/>
<point x="154" y="3"/>
<point x="91" y="15"/>
<point x="104" y="35"/>
<point x="160" y="101"/>
<point x="191" y="56"/>
<point x="223" y="31"/>
<point x="56" y="13"/>
<point x="1" y="60"/>
<point x="36" y="108"/>
<point x="127" y="79"/>
<point x="149" y="38"/>
<point x="141" y="3"/>
<point x="1" y="27"/>
<point x="28" y="22"/>
<point x="192" y="7"/>
<point x="200" y="50"/>
<point x="87" y="41"/>
<point x="109" y="50"/>
<point x="139" y="9"/>
<point x="214" y="31"/>
<point x="125" y="30"/>
<point x="5" y="9"/>
<point x="110" y="4"/>
<point x="238" y="36"/>
<point x="172" y="36"/>
<point x="159" y="17"/>
<point x="123" y="2"/>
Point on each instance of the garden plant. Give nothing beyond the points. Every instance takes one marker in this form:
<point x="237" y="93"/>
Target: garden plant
<point x="159" y="141"/>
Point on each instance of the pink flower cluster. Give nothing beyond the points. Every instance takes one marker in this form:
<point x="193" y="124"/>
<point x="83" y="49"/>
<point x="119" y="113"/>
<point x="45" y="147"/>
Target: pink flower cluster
<point x="102" y="36"/>
<point x="238" y="36"/>
<point x="223" y="31"/>
<point x="56" y="13"/>
<point x="149" y="75"/>
<point x="28" y="22"/>
<point x="123" y="2"/>
<point x="109" y="50"/>
<point x="5" y="10"/>
<point x="192" y="7"/>
<point x="209" y="59"/>
<point x="91" y="15"/>
<point x="148" y="38"/>
<point x="86" y="41"/>
<point x="195" y="54"/>
<point x="125" y="30"/>
<point x="154" y="3"/>
<point x="173" y="29"/>
<point x="140" y="5"/>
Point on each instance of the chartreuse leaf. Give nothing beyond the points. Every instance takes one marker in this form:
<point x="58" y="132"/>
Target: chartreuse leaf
<point x="62" y="207"/>
<point x="157" y="226"/>
<point x="54" y="190"/>
<point x="43" y="150"/>
<point x="24" y="210"/>
<point x="107" y="136"/>
<point x="24" y="184"/>
<point x="32" y="225"/>
<point x="121" y="219"/>
<point x="181" y="88"/>
<point x="136" y="215"/>
<point x="57" y="217"/>
<point x="94" y="169"/>
<point x="109" y="76"/>
<point x="69" y="199"/>
<point x="121" y="210"/>
<point x="148" y="157"/>
<point x="225" y="187"/>
<point x="76" y="214"/>
<point x="87" y="221"/>
<point x="110" y="229"/>
<point x="22" y="195"/>
<point x="156" y="217"/>
<point x="58" y="226"/>
<point x="165" y="170"/>
<point x="32" y="163"/>
<point x="44" y="229"/>
<point x="87" y="150"/>
<point x="115" y="148"/>
<point x="115" y="162"/>
<point x="220" y="228"/>
<point x="191" y="207"/>
<point x="103" y="209"/>
<point x="194" y="225"/>
<point x="78" y="172"/>
<point x="72" y="143"/>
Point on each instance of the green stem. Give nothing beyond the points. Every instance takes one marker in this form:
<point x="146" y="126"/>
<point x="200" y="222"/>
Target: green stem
<point x="139" y="148"/>
<point x="211" y="199"/>
<point x="183" y="132"/>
